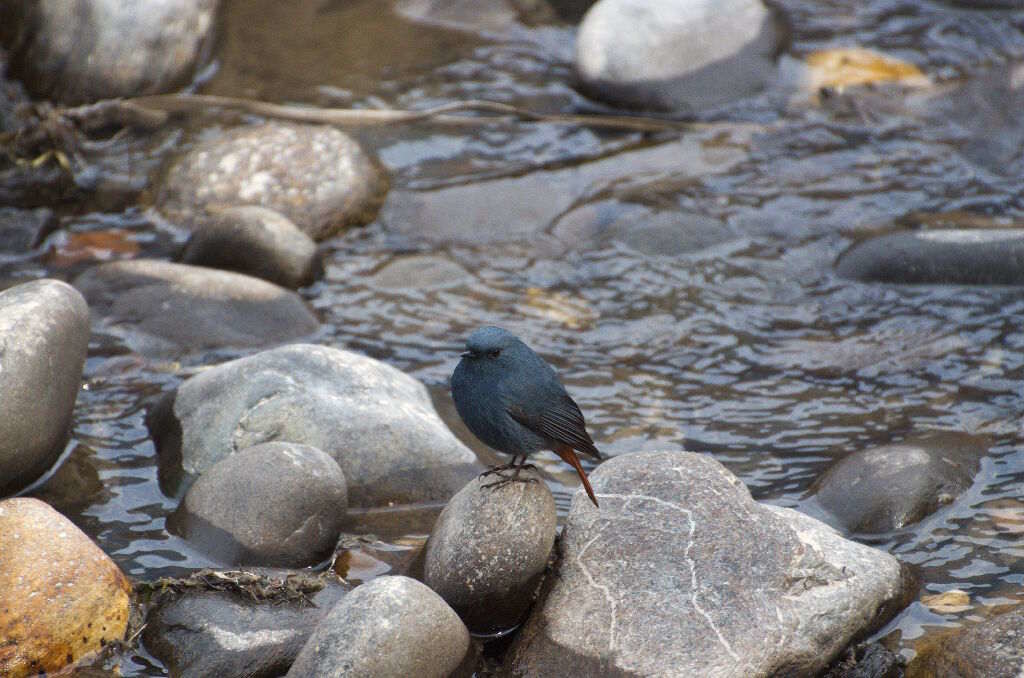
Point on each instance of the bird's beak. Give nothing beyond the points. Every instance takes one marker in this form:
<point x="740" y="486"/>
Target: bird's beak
<point x="465" y="354"/>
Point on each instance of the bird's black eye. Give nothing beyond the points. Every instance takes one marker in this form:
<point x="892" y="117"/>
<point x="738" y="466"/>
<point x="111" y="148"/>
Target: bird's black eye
<point x="494" y="353"/>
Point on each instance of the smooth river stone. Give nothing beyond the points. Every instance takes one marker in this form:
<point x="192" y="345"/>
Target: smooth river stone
<point x="61" y="597"/>
<point x="315" y="175"/>
<point x="940" y="257"/>
<point x="44" y="336"/>
<point x="489" y="548"/>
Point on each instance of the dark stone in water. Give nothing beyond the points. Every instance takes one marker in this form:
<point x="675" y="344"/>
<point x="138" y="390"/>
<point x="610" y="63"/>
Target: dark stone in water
<point x="163" y="307"/>
<point x="219" y="633"/>
<point x="888" y="487"/>
<point x="256" y="241"/>
<point x="951" y="256"/>
<point x="988" y="649"/>
<point x="872" y="660"/>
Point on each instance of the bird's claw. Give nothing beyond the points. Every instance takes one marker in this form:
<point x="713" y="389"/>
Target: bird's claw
<point x="505" y="480"/>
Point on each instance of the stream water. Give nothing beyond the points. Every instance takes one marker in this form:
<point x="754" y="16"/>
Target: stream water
<point x="730" y="335"/>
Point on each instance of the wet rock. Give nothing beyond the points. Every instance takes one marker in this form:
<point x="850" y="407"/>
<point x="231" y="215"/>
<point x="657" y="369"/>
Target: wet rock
<point x="22" y="230"/>
<point x="375" y="421"/>
<point x="419" y="272"/>
<point x="391" y="626"/>
<point x="519" y="209"/>
<point x="315" y="175"/>
<point x="44" y="335"/>
<point x="78" y="51"/>
<point x="990" y="648"/>
<point x="256" y="241"/>
<point x="951" y="256"/>
<point x="678" y="56"/>
<point x="488" y="551"/>
<point x="63" y="598"/>
<point x="271" y="504"/>
<point x="162" y="306"/>
<point x="889" y="487"/>
<point x="219" y="633"/>
<point x="871" y="660"/>
<point x="643" y="229"/>
<point x="658" y="581"/>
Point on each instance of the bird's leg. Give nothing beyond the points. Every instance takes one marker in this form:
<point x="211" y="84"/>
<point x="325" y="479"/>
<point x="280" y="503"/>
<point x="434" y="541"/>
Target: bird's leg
<point x="523" y="465"/>
<point x="500" y="470"/>
<point x="514" y="478"/>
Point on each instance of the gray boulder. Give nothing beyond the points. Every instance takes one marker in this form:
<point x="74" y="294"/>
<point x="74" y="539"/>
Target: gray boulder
<point x="942" y="256"/>
<point x="993" y="648"/>
<point x="391" y="627"/>
<point x="420" y="271"/>
<point x="489" y="548"/>
<point x="161" y="306"/>
<point x="683" y="56"/>
<point x="681" y="573"/>
<point x="78" y="51"/>
<point x="888" y="487"/>
<point x="256" y="241"/>
<point x="375" y="421"/>
<point x="229" y="633"/>
<point x="315" y="175"/>
<point x="271" y="504"/>
<point x="44" y="335"/>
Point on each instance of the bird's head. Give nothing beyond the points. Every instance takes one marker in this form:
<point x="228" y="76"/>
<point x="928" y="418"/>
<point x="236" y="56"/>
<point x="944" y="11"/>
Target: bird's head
<point x="490" y="345"/>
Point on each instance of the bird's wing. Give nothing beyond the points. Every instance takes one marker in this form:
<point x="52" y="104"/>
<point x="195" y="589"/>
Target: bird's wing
<point x="561" y="422"/>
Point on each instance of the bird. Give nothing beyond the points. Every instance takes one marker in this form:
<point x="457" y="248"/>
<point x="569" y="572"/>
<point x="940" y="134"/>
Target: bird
<point x="512" y="400"/>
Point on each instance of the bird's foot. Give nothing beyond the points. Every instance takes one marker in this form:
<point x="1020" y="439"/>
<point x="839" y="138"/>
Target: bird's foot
<point x="511" y="466"/>
<point x="505" y="480"/>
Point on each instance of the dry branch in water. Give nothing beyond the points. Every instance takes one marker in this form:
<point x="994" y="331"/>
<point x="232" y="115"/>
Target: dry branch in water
<point x="152" y="111"/>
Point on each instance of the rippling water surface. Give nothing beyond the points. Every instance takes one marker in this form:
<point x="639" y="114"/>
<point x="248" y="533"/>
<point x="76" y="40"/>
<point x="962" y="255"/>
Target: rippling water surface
<point x="743" y="344"/>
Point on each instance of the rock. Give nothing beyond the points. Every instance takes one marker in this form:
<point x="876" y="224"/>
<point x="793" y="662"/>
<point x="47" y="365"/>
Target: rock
<point x="220" y="633"/>
<point x="44" y="335"/>
<point x="489" y="549"/>
<point x="63" y="598"/>
<point x="990" y="648"/>
<point x="420" y="271"/>
<point x="314" y="175"/>
<point x="649" y="231"/>
<point x="78" y="51"/>
<point x="888" y="487"/>
<point x="939" y="257"/>
<point x="678" y="56"/>
<point x="681" y="573"/>
<point x="272" y="504"/>
<point x="871" y="660"/>
<point x="256" y="241"/>
<point x="165" y="306"/>
<point x="375" y="421"/>
<point x="522" y="208"/>
<point x="389" y="627"/>
<point x="23" y="230"/>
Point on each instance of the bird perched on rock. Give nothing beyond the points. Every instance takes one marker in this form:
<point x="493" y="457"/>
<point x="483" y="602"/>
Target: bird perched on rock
<point x="511" y="399"/>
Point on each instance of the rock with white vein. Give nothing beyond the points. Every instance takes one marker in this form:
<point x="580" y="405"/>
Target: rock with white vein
<point x="681" y="573"/>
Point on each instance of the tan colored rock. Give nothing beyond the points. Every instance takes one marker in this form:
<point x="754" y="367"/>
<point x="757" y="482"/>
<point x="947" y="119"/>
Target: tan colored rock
<point x="61" y="597"/>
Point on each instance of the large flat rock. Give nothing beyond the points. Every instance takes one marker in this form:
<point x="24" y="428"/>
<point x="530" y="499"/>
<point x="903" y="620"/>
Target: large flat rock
<point x="681" y="573"/>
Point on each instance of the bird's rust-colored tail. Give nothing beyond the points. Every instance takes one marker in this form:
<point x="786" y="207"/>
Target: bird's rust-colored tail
<point x="569" y="455"/>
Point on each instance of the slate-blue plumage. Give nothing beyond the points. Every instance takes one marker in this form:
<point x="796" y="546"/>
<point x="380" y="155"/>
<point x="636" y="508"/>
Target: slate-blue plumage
<point x="511" y="399"/>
